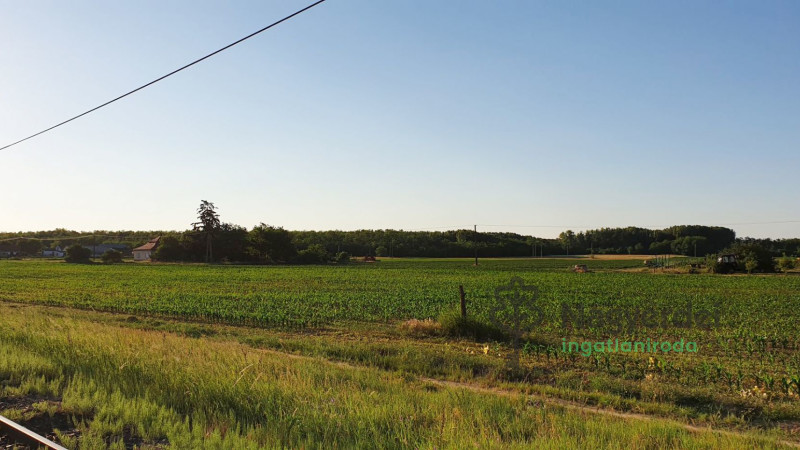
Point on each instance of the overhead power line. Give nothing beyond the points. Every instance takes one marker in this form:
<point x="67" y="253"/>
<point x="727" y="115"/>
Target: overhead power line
<point x="534" y="226"/>
<point x="581" y="227"/>
<point x="447" y="228"/>
<point x="763" y="223"/>
<point x="61" y="238"/>
<point x="167" y="75"/>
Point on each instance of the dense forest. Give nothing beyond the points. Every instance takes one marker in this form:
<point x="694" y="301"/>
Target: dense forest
<point x="267" y="244"/>
<point x="681" y="239"/>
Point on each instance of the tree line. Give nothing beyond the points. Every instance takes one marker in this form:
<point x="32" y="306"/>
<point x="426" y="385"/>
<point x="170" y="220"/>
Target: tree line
<point x="689" y="240"/>
<point x="212" y="240"/>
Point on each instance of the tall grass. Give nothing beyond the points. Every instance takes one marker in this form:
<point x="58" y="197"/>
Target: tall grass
<point x="199" y="393"/>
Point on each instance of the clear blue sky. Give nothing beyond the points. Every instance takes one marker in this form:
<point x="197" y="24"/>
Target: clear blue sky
<point x="406" y="114"/>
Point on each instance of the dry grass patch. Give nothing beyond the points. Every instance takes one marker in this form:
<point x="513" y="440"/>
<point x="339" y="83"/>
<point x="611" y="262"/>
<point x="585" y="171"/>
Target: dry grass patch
<point x="416" y="327"/>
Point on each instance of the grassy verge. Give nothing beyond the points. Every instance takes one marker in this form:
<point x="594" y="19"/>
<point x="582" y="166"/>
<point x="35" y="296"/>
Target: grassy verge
<point x="121" y="381"/>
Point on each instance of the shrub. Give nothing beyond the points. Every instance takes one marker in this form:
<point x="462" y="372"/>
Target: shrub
<point x="713" y="265"/>
<point x="661" y="247"/>
<point x="750" y="263"/>
<point x="30" y="247"/>
<point x="169" y="249"/>
<point x="455" y="325"/>
<point x="314" y="254"/>
<point x="343" y="258"/>
<point x="745" y="251"/>
<point x="268" y="244"/>
<point x="112" y="256"/>
<point x="78" y="254"/>
<point x="786" y="263"/>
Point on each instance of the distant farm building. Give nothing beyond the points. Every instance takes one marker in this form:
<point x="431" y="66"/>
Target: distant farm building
<point x="145" y="252"/>
<point x="8" y="250"/>
<point x="57" y="252"/>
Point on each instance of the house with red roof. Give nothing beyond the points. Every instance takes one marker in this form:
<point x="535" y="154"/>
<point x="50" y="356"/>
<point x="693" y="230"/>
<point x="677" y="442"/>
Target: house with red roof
<point x="145" y="252"/>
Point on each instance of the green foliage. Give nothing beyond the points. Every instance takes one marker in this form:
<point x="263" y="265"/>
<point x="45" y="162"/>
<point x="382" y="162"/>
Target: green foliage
<point x="149" y="389"/>
<point x="756" y="343"/>
<point x="750" y="263"/>
<point x="393" y="289"/>
<point x="30" y="247"/>
<point x="232" y="242"/>
<point x="677" y="239"/>
<point x="60" y="237"/>
<point x="314" y="254"/>
<point x="568" y="240"/>
<point x="268" y="244"/>
<point x="455" y="325"/>
<point x="786" y="263"/>
<point x="761" y="259"/>
<point x="78" y="254"/>
<point x="343" y="258"/>
<point x="112" y="256"/>
<point x="208" y="217"/>
<point x="169" y="249"/>
<point x="714" y="238"/>
<point x="209" y="223"/>
<point x="660" y="247"/>
<point x="690" y="246"/>
<point x="712" y="265"/>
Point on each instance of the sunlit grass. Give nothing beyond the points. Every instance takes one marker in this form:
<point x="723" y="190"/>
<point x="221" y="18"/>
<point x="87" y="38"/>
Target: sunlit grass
<point x="201" y="393"/>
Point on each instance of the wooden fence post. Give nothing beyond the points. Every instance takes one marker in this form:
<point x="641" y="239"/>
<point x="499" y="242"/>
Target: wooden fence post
<point x="463" y="301"/>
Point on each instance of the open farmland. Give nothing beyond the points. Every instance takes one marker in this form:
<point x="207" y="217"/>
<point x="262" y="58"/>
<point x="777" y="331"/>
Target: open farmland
<point x="386" y="291"/>
<point x="279" y="295"/>
<point x="744" y="377"/>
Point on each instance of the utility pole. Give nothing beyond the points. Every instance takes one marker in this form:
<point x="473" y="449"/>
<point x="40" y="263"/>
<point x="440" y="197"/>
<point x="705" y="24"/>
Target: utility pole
<point x="475" y="242"/>
<point x="209" y="255"/>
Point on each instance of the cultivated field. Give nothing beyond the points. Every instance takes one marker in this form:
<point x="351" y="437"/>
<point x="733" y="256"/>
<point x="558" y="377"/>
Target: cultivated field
<point x="319" y="356"/>
<point x="281" y="295"/>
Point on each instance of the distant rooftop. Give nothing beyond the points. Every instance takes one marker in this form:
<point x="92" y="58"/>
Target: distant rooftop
<point x="150" y="245"/>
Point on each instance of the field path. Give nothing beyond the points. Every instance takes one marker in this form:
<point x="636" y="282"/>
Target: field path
<point x="574" y="406"/>
<point x="593" y="410"/>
